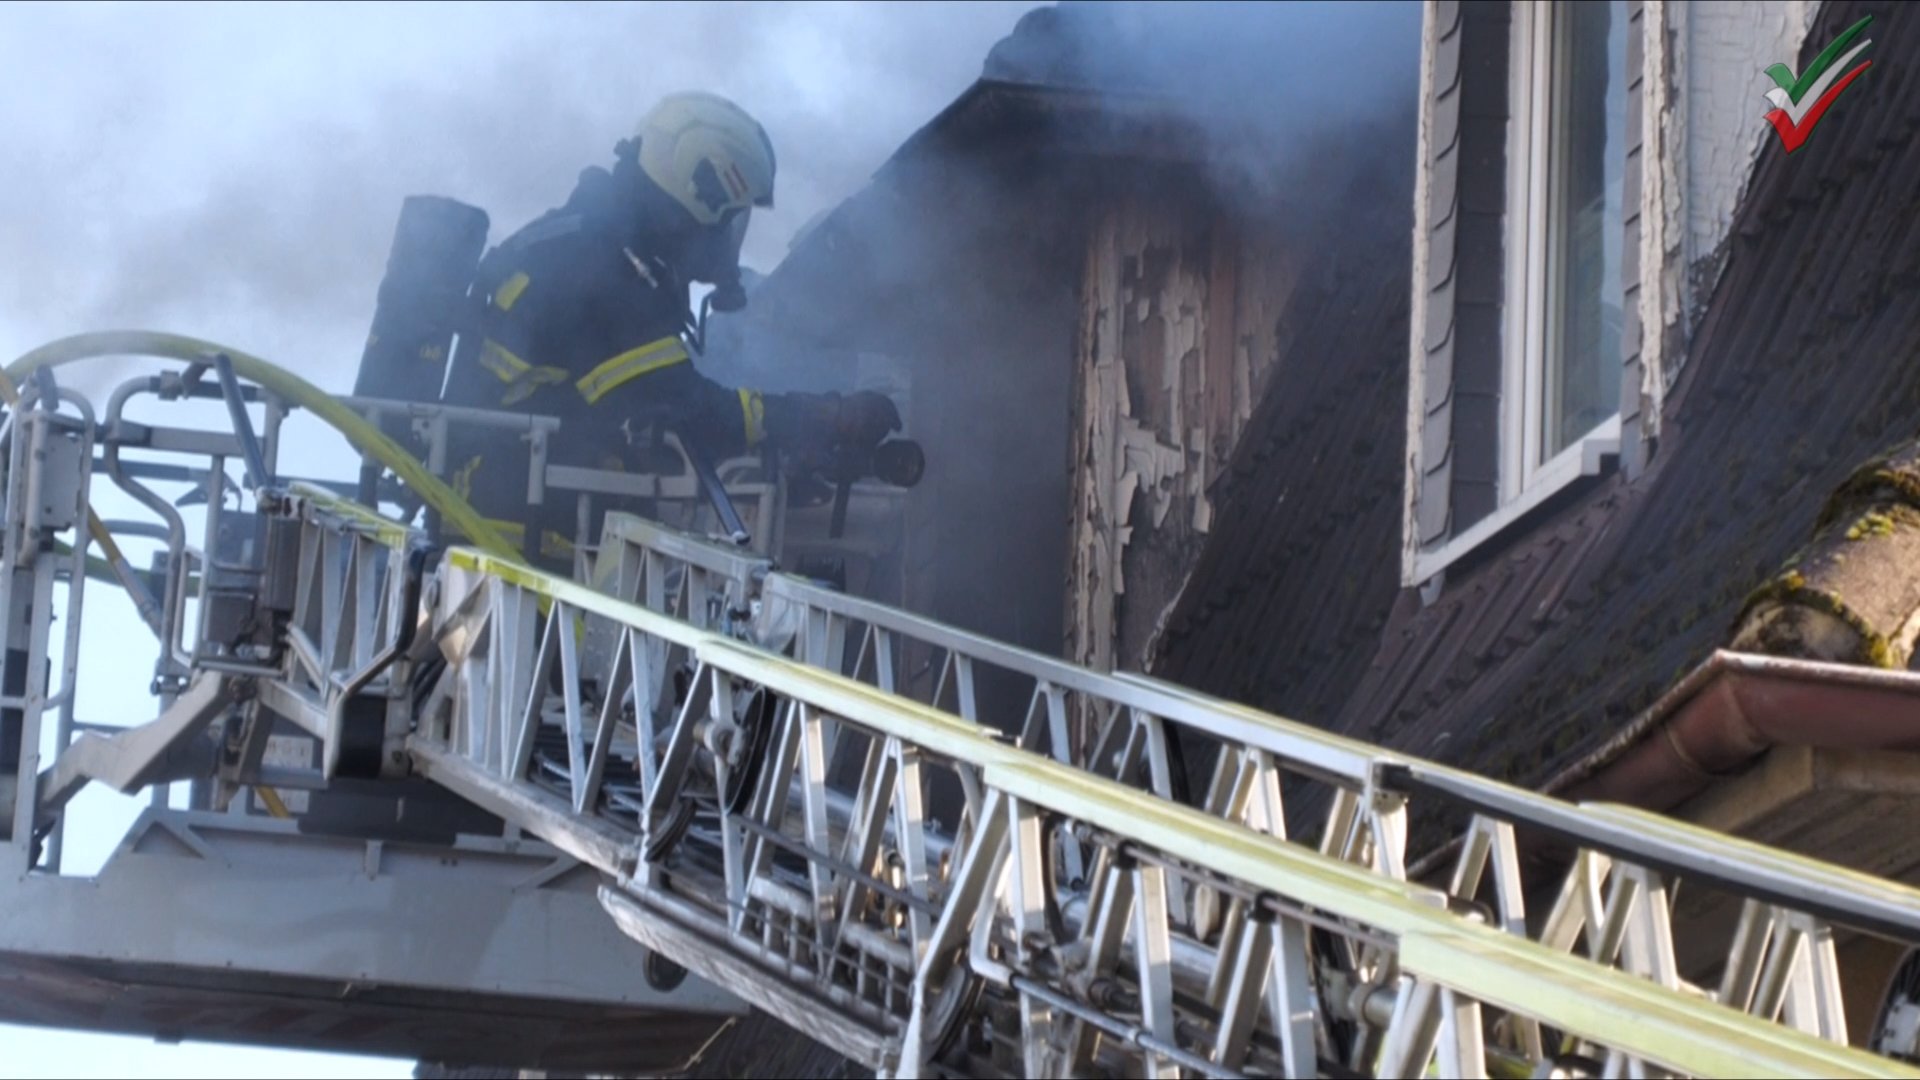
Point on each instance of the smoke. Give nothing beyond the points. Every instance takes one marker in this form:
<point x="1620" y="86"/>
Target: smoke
<point x="234" y="171"/>
<point x="1275" y="88"/>
<point x="960" y="270"/>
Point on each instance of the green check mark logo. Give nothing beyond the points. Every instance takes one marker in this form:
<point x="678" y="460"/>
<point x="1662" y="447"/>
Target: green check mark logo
<point x="1801" y="100"/>
<point x="1796" y="88"/>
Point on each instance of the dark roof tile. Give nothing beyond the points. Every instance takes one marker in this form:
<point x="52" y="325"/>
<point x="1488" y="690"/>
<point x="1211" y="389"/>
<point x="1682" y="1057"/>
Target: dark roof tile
<point x="1800" y="370"/>
<point x="1801" y="367"/>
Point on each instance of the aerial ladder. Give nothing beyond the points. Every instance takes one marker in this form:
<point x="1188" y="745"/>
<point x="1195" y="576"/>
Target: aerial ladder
<point x="793" y="799"/>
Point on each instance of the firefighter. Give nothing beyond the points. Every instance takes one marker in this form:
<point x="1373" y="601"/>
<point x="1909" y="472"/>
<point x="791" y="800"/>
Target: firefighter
<point x="584" y="315"/>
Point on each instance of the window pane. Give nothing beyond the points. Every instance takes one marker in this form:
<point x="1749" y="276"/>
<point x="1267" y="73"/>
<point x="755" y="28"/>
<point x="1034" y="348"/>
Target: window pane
<point x="1585" y="225"/>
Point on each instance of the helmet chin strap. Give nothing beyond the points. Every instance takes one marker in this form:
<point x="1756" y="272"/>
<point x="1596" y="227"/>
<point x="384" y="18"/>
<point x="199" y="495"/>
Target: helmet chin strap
<point x="727" y="296"/>
<point x="672" y="241"/>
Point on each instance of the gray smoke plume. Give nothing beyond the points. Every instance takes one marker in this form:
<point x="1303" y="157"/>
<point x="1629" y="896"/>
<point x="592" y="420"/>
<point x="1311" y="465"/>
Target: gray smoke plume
<point x="234" y="171"/>
<point x="1271" y="85"/>
<point x="958" y="272"/>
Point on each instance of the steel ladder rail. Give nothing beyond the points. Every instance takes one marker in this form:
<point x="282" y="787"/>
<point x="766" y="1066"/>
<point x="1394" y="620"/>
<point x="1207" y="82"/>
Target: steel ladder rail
<point x="1371" y="782"/>
<point x="1461" y="964"/>
<point x="1612" y="850"/>
<point x="924" y="733"/>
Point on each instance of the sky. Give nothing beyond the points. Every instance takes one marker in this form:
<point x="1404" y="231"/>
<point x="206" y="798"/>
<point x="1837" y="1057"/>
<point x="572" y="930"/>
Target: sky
<point x="233" y="172"/>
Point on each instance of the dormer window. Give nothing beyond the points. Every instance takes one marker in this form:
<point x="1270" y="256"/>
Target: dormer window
<point x="1563" y="304"/>
<point x="1522" y="332"/>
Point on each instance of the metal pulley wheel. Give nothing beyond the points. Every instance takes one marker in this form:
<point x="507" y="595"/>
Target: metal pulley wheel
<point x="747" y="751"/>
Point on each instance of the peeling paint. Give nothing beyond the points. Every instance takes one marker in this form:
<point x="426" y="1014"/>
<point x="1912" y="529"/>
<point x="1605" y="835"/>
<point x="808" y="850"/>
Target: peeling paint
<point x="1100" y="397"/>
<point x="1705" y="98"/>
<point x="1177" y="336"/>
<point x="1659" y="214"/>
<point x="1722" y="50"/>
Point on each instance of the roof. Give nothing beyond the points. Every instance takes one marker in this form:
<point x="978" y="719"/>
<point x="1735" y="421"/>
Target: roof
<point x="937" y="194"/>
<point x="1541" y="656"/>
<point x="1801" y="369"/>
<point x="1220" y="56"/>
<point x="1006" y="117"/>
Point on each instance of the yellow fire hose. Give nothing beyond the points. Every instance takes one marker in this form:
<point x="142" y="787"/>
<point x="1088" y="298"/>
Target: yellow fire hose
<point x="116" y="560"/>
<point x="365" y="437"/>
<point x="290" y="387"/>
<point x="107" y="573"/>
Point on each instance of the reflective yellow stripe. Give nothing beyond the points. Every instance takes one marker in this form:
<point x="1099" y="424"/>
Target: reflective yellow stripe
<point x="523" y="387"/>
<point x="754" y="408"/>
<point x="510" y="290"/>
<point x="500" y="360"/>
<point x="522" y="378"/>
<point x="630" y="365"/>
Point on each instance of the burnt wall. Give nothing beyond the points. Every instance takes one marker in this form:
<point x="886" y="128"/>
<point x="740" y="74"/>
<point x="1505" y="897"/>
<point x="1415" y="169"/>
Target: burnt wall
<point x="1177" y="323"/>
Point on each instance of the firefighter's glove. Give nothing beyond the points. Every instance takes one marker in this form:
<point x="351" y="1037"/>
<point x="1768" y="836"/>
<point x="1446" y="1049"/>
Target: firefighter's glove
<point x="866" y="418"/>
<point x="802" y="423"/>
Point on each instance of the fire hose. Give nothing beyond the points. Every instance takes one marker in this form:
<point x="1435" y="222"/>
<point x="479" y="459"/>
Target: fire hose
<point x="364" y="437"/>
<point x="117" y="564"/>
<point x="899" y="461"/>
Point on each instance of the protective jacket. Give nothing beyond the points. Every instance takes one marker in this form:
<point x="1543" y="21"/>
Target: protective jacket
<point x="571" y="319"/>
<point x="575" y="322"/>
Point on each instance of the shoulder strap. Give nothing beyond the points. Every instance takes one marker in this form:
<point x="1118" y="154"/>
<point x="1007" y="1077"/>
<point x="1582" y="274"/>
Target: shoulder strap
<point x="504" y="258"/>
<point x="549" y="227"/>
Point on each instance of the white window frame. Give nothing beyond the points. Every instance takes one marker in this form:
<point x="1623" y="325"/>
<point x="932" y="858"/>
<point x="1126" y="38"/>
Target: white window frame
<point x="1526" y="481"/>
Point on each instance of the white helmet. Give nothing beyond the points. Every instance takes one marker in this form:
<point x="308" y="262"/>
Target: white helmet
<point x="709" y="155"/>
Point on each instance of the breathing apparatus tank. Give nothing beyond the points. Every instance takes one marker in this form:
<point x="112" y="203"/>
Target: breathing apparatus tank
<point x="422" y="300"/>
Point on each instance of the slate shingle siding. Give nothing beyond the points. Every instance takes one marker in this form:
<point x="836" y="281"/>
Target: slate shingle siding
<point x="1459" y="458"/>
